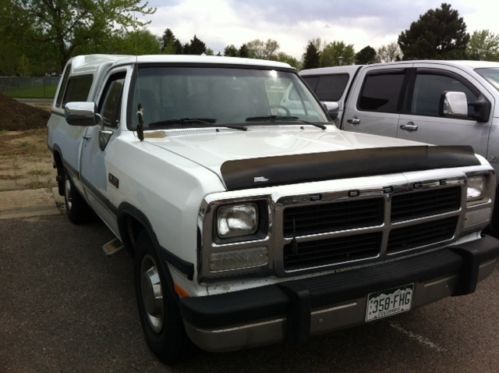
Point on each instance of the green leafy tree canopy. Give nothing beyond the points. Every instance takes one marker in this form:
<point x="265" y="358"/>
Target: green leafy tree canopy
<point x="337" y="53"/>
<point x="72" y="23"/>
<point x="266" y="50"/>
<point x="389" y="53"/>
<point x="231" y="51"/>
<point x="484" y="45"/>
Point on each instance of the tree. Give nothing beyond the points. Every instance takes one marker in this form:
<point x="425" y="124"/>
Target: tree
<point x="20" y="44"/>
<point x="196" y="46"/>
<point x="231" y="51"/>
<point x="170" y="44"/>
<point x="389" y="53"/>
<point x="283" y="57"/>
<point x="244" y="51"/>
<point x="438" y="34"/>
<point x="337" y="53"/>
<point x="137" y="42"/>
<point x="265" y="50"/>
<point x="484" y="45"/>
<point x="270" y="49"/>
<point x="311" y="57"/>
<point x="70" y="24"/>
<point x="365" y="56"/>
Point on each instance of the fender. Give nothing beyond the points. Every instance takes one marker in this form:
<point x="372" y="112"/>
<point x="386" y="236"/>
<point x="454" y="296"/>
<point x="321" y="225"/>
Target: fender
<point x="126" y="209"/>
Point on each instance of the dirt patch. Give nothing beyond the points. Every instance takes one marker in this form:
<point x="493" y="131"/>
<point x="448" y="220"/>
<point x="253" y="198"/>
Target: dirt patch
<point x="17" y="116"/>
<point x="25" y="161"/>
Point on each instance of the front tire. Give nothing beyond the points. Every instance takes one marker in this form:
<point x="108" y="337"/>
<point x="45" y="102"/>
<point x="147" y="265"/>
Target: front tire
<point x="158" y="305"/>
<point x="77" y="209"/>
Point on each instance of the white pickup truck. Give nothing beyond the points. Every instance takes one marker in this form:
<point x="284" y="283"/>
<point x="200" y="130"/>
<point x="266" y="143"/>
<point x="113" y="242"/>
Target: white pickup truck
<point x="407" y="100"/>
<point x="251" y="218"/>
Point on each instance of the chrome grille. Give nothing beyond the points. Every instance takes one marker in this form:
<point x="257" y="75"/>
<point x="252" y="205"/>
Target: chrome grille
<point x="337" y="216"/>
<point x="429" y="202"/>
<point x="317" y="234"/>
<point x="333" y="250"/>
<point x="413" y="236"/>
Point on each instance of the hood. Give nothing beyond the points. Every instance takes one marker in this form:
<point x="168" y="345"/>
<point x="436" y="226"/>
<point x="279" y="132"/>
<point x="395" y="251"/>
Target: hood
<point x="211" y="149"/>
<point x="265" y="156"/>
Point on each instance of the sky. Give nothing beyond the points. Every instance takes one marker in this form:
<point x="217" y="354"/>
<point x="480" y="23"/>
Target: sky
<point x="293" y="22"/>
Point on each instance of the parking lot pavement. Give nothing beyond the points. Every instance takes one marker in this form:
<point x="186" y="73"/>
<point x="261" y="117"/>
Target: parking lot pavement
<point x="64" y="306"/>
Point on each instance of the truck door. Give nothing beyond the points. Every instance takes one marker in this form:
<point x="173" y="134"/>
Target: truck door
<point x="373" y="104"/>
<point x="422" y="120"/>
<point x="98" y="143"/>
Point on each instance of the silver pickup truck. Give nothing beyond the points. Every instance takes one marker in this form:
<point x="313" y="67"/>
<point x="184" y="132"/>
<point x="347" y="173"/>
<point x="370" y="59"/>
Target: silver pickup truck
<point x="436" y="102"/>
<point x="251" y="219"/>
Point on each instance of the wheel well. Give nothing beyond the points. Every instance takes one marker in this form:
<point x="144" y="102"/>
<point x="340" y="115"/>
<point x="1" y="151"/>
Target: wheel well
<point x="130" y="229"/>
<point x="60" y="172"/>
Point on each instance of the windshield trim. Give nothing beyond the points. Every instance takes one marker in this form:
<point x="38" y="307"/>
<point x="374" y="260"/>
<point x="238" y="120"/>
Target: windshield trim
<point x="137" y="66"/>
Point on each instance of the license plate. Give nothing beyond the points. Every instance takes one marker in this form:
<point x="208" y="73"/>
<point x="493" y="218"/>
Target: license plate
<point x="389" y="302"/>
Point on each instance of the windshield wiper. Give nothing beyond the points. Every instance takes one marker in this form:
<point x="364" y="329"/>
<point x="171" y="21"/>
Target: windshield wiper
<point x="182" y="121"/>
<point x="211" y="122"/>
<point x="291" y="119"/>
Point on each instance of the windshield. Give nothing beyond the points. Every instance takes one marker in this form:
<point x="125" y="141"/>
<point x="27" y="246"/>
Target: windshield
<point x="173" y="97"/>
<point x="491" y="74"/>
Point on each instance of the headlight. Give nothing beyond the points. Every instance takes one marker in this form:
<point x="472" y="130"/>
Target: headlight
<point x="476" y="188"/>
<point x="237" y="220"/>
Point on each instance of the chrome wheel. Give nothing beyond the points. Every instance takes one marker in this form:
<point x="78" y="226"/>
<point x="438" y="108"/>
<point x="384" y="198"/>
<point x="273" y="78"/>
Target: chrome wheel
<point x="152" y="293"/>
<point x="67" y="193"/>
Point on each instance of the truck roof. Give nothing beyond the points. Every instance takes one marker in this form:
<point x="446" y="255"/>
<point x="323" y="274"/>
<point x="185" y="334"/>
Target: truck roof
<point x="467" y="64"/>
<point x="92" y="62"/>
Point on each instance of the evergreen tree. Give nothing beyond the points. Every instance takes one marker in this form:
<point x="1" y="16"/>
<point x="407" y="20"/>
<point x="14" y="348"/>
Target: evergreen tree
<point x="170" y="44"/>
<point x="365" y="56"/>
<point x="438" y="34"/>
<point x="230" y="51"/>
<point x="311" y="58"/>
<point x="196" y="46"/>
<point x="243" y="51"/>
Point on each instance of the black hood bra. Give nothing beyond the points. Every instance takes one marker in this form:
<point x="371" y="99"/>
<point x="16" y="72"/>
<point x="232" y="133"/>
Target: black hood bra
<point x="299" y="168"/>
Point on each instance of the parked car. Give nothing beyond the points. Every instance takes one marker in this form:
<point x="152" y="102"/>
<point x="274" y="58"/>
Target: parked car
<point x="251" y="218"/>
<point x="437" y="102"/>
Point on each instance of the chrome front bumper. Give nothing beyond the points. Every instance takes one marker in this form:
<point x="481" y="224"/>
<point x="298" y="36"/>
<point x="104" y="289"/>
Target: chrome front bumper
<point x="296" y="309"/>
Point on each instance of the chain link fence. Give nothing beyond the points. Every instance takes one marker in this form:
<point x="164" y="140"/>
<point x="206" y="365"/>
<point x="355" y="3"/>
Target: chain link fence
<point x="29" y="87"/>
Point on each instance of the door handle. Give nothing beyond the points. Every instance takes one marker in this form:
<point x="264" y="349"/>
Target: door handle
<point x="355" y="121"/>
<point x="87" y="138"/>
<point x="409" y="126"/>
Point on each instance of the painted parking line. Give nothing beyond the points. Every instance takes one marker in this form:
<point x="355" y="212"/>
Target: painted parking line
<point x="417" y="337"/>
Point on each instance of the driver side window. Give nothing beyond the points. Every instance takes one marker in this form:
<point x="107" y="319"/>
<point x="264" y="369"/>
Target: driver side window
<point x="110" y="104"/>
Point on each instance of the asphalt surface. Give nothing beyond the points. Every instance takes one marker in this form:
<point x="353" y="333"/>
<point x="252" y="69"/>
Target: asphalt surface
<point x="66" y="307"/>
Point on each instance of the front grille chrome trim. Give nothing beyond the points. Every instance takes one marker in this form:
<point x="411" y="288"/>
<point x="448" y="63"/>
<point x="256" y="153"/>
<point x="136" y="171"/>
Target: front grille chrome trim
<point x="386" y="227"/>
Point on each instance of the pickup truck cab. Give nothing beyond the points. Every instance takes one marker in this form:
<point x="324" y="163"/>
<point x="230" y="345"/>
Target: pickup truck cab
<point x="406" y="100"/>
<point x="250" y="217"/>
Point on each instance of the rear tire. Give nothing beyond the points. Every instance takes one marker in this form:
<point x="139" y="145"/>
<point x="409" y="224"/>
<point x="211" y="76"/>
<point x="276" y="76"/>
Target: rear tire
<point x="77" y="209"/>
<point x="158" y="305"/>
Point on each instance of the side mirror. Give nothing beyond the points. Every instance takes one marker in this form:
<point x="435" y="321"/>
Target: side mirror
<point x="454" y="105"/>
<point x="332" y="108"/>
<point x="481" y="110"/>
<point x="81" y="113"/>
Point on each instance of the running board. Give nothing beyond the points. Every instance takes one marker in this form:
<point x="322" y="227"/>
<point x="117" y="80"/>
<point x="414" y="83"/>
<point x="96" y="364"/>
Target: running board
<point x="112" y="247"/>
